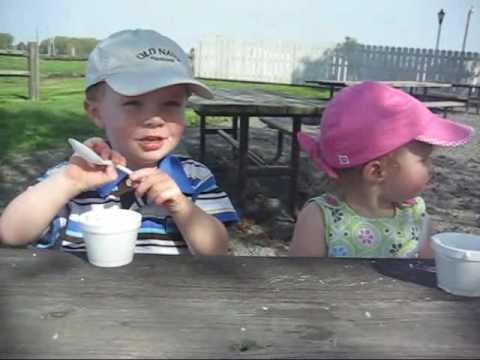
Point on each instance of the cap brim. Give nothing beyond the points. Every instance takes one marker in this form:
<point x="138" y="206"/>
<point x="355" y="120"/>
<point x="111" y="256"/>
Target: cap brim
<point x="444" y="132"/>
<point x="133" y="84"/>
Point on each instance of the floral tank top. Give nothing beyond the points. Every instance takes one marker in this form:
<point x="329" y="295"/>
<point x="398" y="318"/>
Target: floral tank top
<point x="348" y="234"/>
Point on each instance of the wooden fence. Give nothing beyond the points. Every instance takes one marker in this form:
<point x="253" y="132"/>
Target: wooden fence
<point x="289" y="63"/>
<point x="33" y="72"/>
<point x="398" y="63"/>
<point x="280" y="62"/>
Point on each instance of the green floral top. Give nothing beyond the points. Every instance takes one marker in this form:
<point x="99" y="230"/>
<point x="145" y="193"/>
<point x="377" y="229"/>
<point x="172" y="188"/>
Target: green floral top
<point x="351" y="235"/>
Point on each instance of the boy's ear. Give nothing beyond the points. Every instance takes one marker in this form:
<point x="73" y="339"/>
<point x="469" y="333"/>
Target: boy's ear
<point x="374" y="171"/>
<point x="93" y="111"/>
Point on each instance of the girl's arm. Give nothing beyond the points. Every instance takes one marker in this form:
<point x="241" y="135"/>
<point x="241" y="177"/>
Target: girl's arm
<point x="309" y="234"/>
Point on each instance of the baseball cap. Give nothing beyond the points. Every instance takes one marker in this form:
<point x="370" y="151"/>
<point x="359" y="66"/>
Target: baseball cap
<point x="366" y="121"/>
<point x="134" y="62"/>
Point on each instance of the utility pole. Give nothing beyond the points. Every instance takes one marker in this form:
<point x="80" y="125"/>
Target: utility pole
<point x="466" y="29"/>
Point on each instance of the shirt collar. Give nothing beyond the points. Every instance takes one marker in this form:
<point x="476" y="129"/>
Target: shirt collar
<point x="170" y="164"/>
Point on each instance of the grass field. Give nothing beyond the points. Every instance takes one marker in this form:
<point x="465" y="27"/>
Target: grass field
<point x="47" y="67"/>
<point x="29" y="126"/>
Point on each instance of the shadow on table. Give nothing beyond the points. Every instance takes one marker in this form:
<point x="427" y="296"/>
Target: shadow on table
<point x="421" y="272"/>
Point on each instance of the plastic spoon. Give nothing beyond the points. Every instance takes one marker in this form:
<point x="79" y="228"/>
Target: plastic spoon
<point x="92" y="157"/>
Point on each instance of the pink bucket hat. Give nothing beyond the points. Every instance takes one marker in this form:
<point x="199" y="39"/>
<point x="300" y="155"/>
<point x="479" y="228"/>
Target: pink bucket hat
<point x="369" y="120"/>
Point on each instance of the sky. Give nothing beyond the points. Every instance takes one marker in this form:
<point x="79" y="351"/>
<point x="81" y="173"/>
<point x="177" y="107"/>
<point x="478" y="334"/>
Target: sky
<point x="406" y="23"/>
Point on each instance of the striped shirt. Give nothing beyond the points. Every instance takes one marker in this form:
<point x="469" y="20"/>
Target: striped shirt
<point x="158" y="233"/>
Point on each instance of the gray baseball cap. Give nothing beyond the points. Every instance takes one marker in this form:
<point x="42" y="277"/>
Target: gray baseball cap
<point x="134" y="62"/>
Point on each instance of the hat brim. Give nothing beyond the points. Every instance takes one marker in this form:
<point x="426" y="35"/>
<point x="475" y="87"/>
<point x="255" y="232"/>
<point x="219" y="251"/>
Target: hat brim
<point x="444" y="132"/>
<point x="133" y="84"/>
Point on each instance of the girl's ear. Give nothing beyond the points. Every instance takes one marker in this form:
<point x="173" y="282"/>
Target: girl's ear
<point x="374" y="171"/>
<point x="93" y="111"/>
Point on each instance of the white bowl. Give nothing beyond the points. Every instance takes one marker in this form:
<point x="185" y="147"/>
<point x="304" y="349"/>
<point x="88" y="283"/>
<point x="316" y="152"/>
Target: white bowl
<point x="110" y="236"/>
<point x="457" y="260"/>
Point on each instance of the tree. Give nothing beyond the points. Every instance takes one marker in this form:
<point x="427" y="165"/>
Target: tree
<point x="68" y="46"/>
<point x="6" y="40"/>
<point x="348" y="50"/>
<point x="349" y="44"/>
<point x="21" y="46"/>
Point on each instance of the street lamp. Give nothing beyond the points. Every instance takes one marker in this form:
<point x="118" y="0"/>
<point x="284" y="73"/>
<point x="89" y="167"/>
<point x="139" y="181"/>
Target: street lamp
<point x="466" y="28"/>
<point x="441" y="15"/>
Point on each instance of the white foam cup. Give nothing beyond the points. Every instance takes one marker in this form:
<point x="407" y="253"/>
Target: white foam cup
<point x="110" y="236"/>
<point x="457" y="260"/>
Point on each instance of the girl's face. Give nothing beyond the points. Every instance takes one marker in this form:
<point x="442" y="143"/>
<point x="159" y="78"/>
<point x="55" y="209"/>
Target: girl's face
<point x="410" y="172"/>
<point x="142" y="128"/>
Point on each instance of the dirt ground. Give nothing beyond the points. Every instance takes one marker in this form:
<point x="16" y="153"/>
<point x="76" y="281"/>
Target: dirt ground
<point x="453" y="199"/>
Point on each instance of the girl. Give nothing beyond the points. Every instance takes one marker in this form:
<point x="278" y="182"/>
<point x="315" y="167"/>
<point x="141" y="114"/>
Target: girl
<point x="375" y="142"/>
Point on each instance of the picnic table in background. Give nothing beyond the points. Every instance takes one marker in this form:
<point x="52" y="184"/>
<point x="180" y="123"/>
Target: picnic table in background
<point x="472" y="96"/>
<point x="242" y="104"/>
<point x="443" y="104"/>
<point x="334" y="85"/>
<point x="55" y="304"/>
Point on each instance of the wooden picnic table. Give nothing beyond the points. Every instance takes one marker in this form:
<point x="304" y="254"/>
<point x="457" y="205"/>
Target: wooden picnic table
<point x="425" y="85"/>
<point x="473" y="95"/>
<point x="56" y="305"/>
<point x="241" y="105"/>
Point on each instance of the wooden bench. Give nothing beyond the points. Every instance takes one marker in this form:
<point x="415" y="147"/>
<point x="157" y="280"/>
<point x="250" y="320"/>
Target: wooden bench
<point x="284" y="126"/>
<point x="475" y="102"/>
<point x="445" y="106"/>
<point x="473" y="94"/>
<point x="252" y="155"/>
<point x="470" y="96"/>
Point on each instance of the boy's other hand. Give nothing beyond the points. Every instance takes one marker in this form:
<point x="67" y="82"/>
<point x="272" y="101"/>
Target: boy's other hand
<point x="160" y="189"/>
<point x="86" y="175"/>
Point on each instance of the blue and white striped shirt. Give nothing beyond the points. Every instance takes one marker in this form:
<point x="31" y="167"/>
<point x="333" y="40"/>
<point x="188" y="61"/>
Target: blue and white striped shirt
<point x="158" y="233"/>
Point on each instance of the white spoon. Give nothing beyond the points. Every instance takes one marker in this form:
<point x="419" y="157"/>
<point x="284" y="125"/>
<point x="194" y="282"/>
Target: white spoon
<point x="92" y="157"/>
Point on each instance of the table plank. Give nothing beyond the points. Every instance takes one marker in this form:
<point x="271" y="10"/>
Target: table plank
<point x="394" y="83"/>
<point x="233" y="102"/>
<point x="57" y="305"/>
<point x="412" y="85"/>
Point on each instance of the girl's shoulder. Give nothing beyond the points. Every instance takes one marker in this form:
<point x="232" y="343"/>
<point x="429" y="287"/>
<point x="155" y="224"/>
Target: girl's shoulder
<point x="327" y="200"/>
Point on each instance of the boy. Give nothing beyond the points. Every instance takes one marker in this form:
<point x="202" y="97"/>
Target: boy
<point x="137" y="85"/>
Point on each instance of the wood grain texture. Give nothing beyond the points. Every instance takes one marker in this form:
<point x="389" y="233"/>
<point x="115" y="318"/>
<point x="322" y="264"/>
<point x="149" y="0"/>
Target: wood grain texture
<point x="235" y="102"/>
<point x="57" y="305"/>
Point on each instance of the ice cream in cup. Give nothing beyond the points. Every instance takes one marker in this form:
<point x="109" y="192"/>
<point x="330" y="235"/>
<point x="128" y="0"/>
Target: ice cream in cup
<point x="110" y="236"/>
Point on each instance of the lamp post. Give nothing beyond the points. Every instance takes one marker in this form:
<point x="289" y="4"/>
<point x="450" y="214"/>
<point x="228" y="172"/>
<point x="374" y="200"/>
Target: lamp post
<point x="466" y="28"/>
<point x="441" y="15"/>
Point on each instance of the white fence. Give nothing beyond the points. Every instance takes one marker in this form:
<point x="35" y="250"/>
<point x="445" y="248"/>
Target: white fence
<point x="220" y="58"/>
<point x="398" y="63"/>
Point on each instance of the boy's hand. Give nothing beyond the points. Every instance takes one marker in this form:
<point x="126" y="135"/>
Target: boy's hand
<point x="86" y="175"/>
<point x="160" y="189"/>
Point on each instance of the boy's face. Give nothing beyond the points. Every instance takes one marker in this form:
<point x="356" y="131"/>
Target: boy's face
<point x="143" y="128"/>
